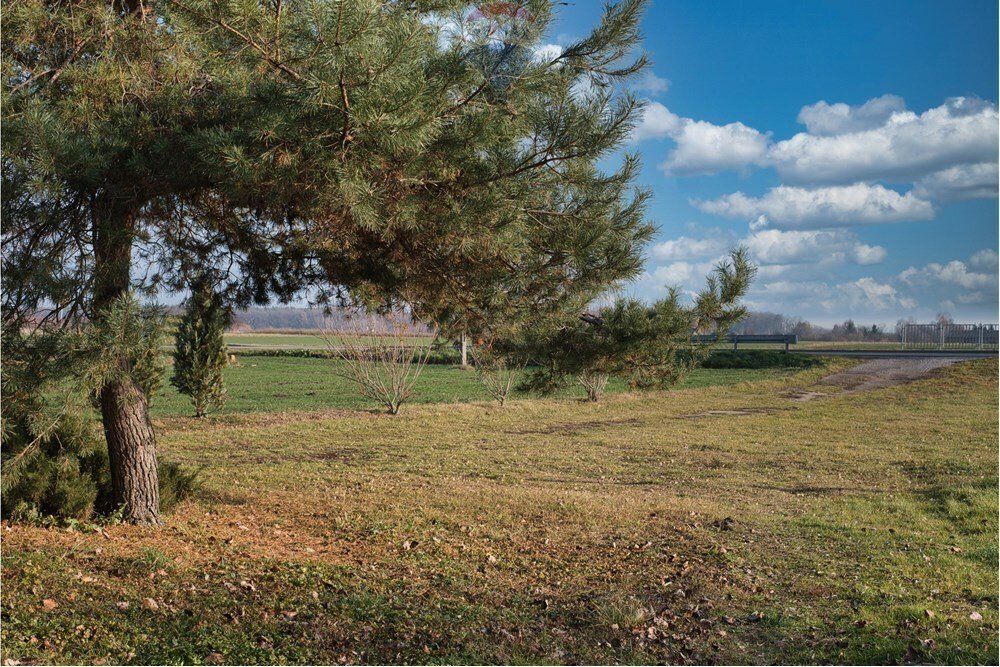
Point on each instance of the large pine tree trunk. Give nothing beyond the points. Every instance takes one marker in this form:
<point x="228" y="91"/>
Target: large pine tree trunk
<point x="124" y="408"/>
<point x="131" y="451"/>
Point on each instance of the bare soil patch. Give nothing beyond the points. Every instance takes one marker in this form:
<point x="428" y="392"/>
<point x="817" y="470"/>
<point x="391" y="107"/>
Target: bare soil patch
<point x="573" y="428"/>
<point x="803" y="395"/>
<point x="874" y="374"/>
<point x="733" y="412"/>
<point x="881" y="373"/>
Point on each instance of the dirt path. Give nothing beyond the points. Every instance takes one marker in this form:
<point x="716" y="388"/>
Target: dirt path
<point x="877" y="374"/>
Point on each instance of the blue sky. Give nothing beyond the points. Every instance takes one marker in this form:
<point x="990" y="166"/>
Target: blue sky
<point x="852" y="146"/>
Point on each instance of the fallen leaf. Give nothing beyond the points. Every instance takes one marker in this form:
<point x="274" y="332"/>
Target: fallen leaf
<point x="150" y="604"/>
<point x="215" y="658"/>
<point x="48" y="604"/>
<point x="976" y="616"/>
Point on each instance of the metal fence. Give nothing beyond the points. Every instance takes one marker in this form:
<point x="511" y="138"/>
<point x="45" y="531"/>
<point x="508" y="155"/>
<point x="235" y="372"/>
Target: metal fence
<point x="949" y="337"/>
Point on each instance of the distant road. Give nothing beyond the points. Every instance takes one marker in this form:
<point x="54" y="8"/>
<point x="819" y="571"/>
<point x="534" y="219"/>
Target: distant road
<point x="901" y="354"/>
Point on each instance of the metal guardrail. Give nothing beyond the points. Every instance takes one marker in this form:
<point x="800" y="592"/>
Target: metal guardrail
<point x="736" y="339"/>
<point x="949" y="337"/>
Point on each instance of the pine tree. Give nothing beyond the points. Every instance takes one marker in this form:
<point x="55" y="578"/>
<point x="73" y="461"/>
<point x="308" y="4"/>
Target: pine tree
<point x="200" y="351"/>
<point x="645" y="345"/>
<point x="376" y="151"/>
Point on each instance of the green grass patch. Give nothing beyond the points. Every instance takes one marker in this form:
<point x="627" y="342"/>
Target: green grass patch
<point x="281" y="384"/>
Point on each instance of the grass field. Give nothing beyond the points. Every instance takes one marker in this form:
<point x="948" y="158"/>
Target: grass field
<point x="723" y="523"/>
<point x="279" y="384"/>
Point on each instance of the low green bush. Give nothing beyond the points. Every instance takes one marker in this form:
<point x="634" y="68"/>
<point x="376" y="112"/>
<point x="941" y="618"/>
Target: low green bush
<point x="177" y="483"/>
<point x="444" y="356"/>
<point x="65" y="476"/>
<point x="760" y="359"/>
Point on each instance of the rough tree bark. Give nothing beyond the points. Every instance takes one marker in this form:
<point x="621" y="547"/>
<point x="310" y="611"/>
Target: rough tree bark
<point x="124" y="408"/>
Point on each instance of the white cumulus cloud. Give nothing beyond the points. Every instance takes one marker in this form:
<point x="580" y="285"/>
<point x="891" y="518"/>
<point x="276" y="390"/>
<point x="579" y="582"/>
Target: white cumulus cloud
<point x="985" y="260"/>
<point x="955" y="272"/>
<point x="967" y="181"/>
<point x="837" y="206"/>
<point x="658" y="122"/>
<point x="906" y="147"/>
<point x="547" y="52"/>
<point x="866" y="294"/>
<point x="702" y="147"/>
<point x="867" y="254"/>
<point x="825" y="119"/>
<point x="773" y="246"/>
<point x="686" y="248"/>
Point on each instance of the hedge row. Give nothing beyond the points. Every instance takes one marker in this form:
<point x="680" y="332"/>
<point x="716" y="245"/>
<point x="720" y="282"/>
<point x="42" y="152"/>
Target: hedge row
<point x="749" y="359"/>
<point x="445" y="357"/>
<point x="760" y="359"/>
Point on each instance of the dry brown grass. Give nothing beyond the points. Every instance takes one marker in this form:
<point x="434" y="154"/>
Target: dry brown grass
<point x="551" y="531"/>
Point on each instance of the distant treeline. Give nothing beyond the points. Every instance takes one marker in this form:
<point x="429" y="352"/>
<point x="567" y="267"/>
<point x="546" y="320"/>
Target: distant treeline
<point x="288" y="319"/>
<point x="281" y="319"/>
<point x="848" y="330"/>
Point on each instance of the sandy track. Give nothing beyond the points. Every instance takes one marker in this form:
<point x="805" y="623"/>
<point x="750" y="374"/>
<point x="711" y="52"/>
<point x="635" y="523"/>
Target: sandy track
<point x="877" y="374"/>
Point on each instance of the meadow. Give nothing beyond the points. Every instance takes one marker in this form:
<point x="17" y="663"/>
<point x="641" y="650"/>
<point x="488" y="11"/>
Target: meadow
<point x="281" y="384"/>
<point x="713" y="523"/>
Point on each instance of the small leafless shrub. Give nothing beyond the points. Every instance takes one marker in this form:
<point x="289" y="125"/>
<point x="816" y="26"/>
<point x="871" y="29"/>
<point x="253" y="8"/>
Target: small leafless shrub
<point x="594" y="383"/>
<point x="497" y="371"/>
<point x="380" y="356"/>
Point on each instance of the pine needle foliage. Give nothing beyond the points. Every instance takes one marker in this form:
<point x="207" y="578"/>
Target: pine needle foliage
<point x="200" y="350"/>
<point x="649" y="346"/>
<point x="54" y="464"/>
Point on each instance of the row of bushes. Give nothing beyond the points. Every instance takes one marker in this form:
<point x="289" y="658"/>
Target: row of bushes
<point x="741" y="359"/>
<point x="752" y="359"/>
<point x="443" y="356"/>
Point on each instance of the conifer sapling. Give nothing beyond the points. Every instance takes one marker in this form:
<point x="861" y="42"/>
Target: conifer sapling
<point x="200" y="354"/>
